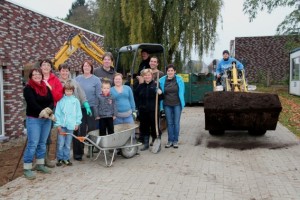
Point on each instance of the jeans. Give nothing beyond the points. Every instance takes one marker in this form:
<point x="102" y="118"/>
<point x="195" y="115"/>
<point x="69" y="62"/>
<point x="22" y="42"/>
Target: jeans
<point x="37" y="133"/>
<point x="173" y="114"/>
<point x="124" y="120"/>
<point x="64" y="145"/>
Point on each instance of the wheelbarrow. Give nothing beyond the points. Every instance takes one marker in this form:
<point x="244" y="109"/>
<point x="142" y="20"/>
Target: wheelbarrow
<point x="123" y="139"/>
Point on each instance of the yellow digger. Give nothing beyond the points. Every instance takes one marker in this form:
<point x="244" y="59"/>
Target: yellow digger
<point x="232" y="107"/>
<point x="74" y="42"/>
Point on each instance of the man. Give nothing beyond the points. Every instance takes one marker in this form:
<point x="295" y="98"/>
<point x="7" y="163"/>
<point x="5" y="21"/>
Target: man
<point x="153" y="65"/>
<point x="145" y="61"/>
<point x="226" y="63"/>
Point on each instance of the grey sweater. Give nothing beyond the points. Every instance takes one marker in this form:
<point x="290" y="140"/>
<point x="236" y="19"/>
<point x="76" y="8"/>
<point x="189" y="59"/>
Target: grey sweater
<point x="105" y="107"/>
<point x="102" y="73"/>
<point x="91" y="87"/>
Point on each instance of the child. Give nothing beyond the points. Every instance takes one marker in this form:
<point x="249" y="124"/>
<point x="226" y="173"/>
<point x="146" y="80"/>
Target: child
<point x="105" y="110"/>
<point x="68" y="117"/>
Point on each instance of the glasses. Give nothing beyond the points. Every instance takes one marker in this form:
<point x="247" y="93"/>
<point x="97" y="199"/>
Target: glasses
<point x="36" y="74"/>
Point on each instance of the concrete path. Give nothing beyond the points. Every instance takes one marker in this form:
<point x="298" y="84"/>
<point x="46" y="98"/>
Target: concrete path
<point x="235" y="166"/>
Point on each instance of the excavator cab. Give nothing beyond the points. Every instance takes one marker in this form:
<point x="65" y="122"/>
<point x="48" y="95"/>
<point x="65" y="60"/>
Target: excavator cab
<point x="129" y="58"/>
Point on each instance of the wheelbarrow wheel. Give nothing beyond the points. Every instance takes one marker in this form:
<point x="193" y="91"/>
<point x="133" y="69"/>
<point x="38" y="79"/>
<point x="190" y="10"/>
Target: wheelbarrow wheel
<point x="130" y="151"/>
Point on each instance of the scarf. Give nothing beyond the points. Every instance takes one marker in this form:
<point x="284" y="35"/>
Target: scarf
<point x="40" y="89"/>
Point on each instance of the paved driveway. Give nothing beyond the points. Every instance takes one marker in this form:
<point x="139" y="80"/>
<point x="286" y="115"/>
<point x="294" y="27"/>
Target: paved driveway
<point x="235" y="166"/>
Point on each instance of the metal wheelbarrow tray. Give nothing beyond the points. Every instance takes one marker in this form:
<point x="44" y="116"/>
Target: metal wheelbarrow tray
<point x="123" y="139"/>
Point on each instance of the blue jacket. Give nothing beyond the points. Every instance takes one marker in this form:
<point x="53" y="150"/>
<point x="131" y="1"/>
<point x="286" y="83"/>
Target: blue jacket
<point x="68" y="112"/>
<point x="181" y="86"/>
<point x="223" y="65"/>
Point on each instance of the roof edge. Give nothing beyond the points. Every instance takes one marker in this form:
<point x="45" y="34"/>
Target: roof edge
<point x="40" y="13"/>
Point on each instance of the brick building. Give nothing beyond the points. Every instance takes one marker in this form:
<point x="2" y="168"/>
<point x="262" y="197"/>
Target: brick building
<point x="266" y="58"/>
<point x="25" y="37"/>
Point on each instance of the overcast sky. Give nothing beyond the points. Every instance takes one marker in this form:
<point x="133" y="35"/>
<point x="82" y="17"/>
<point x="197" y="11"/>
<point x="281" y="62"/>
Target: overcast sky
<point x="235" y="23"/>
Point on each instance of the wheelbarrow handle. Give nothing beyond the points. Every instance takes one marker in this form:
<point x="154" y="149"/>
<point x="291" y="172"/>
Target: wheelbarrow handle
<point x="81" y="139"/>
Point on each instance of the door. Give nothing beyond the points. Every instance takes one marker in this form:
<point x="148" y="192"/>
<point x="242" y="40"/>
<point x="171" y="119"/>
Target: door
<point x="295" y="73"/>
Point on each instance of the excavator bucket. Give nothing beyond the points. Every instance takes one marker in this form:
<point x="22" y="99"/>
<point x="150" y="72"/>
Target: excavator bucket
<point x="255" y="112"/>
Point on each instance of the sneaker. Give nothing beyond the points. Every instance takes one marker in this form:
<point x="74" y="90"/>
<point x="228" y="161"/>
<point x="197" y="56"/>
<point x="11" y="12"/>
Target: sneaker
<point x="67" y="162"/>
<point x="28" y="173"/>
<point x="59" y="163"/>
<point x="175" y="145"/>
<point x="170" y="144"/>
<point x="43" y="169"/>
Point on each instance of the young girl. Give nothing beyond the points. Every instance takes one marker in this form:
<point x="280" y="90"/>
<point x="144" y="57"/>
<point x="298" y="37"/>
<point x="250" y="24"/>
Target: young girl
<point x="105" y="110"/>
<point x="68" y="118"/>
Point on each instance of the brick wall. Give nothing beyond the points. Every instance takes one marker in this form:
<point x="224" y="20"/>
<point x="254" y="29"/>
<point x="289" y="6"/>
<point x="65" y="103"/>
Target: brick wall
<point x="25" y="37"/>
<point x="266" y="58"/>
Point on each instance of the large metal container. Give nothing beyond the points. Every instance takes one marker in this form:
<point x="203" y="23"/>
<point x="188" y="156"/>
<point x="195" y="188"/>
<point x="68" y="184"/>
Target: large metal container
<point x="122" y="134"/>
<point x="196" y="85"/>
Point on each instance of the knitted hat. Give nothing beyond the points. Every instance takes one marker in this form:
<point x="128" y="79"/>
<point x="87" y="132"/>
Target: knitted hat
<point x="225" y="51"/>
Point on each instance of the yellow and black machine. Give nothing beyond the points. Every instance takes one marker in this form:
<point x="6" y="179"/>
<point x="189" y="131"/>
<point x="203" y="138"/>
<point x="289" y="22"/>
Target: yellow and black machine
<point x="74" y="42"/>
<point x="231" y="106"/>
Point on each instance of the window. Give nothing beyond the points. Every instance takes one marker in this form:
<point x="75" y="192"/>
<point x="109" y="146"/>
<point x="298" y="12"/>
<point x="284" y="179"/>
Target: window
<point x="296" y="69"/>
<point x="1" y="104"/>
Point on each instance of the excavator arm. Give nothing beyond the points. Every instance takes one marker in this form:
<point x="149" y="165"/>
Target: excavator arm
<point x="74" y="42"/>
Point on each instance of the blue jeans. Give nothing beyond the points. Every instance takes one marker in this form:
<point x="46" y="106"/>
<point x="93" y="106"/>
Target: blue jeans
<point x="64" y="145"/>
<point x="37" y="133"/>
<point x="124" y="120"/>
<point x="173" y="114"/>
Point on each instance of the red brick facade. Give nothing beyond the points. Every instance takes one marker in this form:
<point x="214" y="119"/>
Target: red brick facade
<point x="25" y="37"/>
<point x="266" y="59"/>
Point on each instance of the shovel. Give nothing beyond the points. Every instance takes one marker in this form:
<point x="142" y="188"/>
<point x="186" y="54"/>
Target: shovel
<point x="157" y="142"/>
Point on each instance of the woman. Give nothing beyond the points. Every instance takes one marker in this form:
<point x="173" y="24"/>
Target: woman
<point x="91" y="86"/>
<point x="172" y="87"/>
<point x="51" y="80"/>
<point x="124" y="100"/>
<point x="56" y="88"/>
<point x="38" y="97"/>
<point x="146" y="103"/>
<point x="107" y="70"/>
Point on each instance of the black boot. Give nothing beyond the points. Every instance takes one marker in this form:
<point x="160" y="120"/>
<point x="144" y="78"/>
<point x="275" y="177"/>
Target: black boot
<point x="146" y="143"/>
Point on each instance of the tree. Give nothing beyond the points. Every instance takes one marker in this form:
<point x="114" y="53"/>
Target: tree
<point x="290" y="25"/>
<point x="180" y="25"/>
<point x="85" y="15"/>
<point x="116" y="34"/>
<point x="75" y="5"/>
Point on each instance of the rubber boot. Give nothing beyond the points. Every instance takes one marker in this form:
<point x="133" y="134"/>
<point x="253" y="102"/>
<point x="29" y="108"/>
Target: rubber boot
<point x="146" y="143"/>
<point x="48" y="162"/>
<point x="43" y="169"/>
<point x="28" y="173"/>
<point x="40" y="166"/>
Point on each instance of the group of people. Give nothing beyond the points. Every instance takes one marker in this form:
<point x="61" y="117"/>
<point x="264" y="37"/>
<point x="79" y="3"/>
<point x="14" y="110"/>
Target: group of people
<point x="95" y="99"/>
